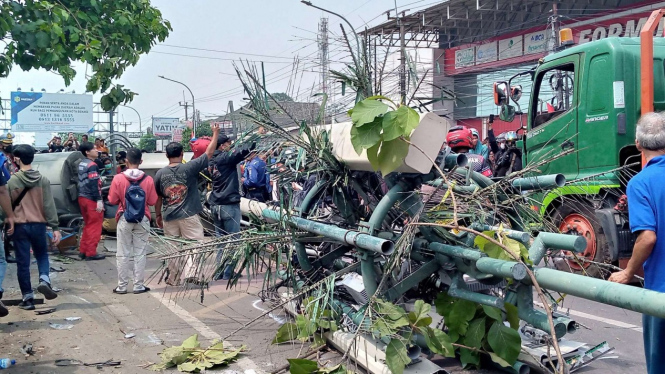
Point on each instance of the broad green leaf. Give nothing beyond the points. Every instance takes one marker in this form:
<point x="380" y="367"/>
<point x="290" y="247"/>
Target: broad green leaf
<point x="191" y="342"/>
<point x="493" y="313"/>
<point x="376" y="97"/>
<point x="512" y="315"/>
<point x="411" y="119"/>
<point x="475" y="333"/>
<point x="391" y="312"/>
<point x="499" y="360"/>
<point x="420" y="315"/>
<point x="443" y="303"/>
<point x="306" y="328"/>
<point x="176" y="355"/>
<point x="469" y="357"/>
<point x="366" y="111"/>
<point x="302" y="366"/>
<point x="505" y="342"/>
<point x="396" y="356"/>
<point x="513" y="246"/>
<point x="373" y="156"/>
<point x="286" y="333"/>
<point x="366" y="136"/>
<point x="458" y="319"/>
<point x="438" y="342"/>
<point x="392" y="128"/>
<point x="187" y="367"/>
<point x="392" y="155"/>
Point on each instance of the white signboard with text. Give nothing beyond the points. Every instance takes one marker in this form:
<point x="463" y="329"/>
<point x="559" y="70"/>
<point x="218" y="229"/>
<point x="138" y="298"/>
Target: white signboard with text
<point x="464" y="57"/>
<point x="164" y="127"/>
<point x="486" y="53"/>
<point x="536" y="42"/>
<point x="511" y="47"/>
<point x="51" y="112"/>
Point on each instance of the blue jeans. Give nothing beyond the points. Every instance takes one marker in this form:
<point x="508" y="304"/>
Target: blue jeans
<point x="3" y="262"/>
<point x="227" y="221"/>
<point x="27" y="235"/>
<point x="654" y="343"/>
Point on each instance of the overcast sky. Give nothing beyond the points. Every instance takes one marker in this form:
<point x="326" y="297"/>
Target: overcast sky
<point x="280" y="29"/>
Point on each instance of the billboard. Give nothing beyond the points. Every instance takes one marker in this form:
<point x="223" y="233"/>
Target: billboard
<point x="51" y="112"/>
<point x="164" y="127"/>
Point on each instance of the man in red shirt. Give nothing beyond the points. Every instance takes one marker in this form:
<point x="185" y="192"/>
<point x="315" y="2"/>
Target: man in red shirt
<point x="135" y="192"/>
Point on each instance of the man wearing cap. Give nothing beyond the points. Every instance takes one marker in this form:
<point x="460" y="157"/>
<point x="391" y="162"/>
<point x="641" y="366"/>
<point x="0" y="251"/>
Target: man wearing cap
<point x="478" y="147"/>
<point x="225" y="197"/>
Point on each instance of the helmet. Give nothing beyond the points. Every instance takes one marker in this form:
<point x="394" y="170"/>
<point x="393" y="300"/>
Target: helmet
<point x="7" y="138"/>
<point x="511" y="136"/>
<point x="459" y="137"/>
<point x="475" y="133"/>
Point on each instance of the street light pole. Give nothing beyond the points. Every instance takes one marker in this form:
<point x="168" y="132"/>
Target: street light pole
<point x="138" y="114"/>
<point x="193" y="105"/>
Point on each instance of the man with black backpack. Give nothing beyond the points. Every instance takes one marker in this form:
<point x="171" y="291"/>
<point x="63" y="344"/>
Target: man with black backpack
<point x="134" y="192"/>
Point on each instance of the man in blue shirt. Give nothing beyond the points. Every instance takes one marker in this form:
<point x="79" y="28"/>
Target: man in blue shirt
<point x="256" y="179"/>
<point x="646" y="208"/>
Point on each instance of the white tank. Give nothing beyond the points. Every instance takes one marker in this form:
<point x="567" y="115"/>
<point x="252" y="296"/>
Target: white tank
<point x="429" y="136"/>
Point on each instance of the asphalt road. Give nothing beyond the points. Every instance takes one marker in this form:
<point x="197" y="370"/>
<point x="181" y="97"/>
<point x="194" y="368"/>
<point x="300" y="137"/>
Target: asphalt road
<point x="163" y="317"/>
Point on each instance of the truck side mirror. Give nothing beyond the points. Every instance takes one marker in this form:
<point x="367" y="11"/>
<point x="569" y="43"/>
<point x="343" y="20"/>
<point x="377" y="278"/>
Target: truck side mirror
<point x="516" y="93"/>
<point x="500" y="93"/>
<point x="507" y="113"/>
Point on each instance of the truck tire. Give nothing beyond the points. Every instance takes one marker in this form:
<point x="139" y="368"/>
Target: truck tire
<point x="581" y="220"/>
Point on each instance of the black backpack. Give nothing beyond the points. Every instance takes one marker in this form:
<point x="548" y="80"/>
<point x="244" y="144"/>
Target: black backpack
<point x="135" y="202"/>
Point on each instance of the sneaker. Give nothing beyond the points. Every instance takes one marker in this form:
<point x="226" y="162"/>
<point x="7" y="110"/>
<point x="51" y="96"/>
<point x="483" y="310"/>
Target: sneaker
<point x="46" y="290"/>
<point x="145" y="289"/>
<point x="28" y="304"/>
<point x="95" y="257"/>
<point x="82" y="256"/>
<point x="118" y="291"/>
<point x="3" y="310"/>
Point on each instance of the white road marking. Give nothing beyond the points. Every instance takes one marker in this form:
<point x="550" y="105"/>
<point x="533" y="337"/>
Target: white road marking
<point x="278" y="319"/>
<point x="247" y="365"/>
<point x="608" y="321"/>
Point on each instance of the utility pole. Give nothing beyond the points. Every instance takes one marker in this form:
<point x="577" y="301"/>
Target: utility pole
<point x="186" y="105"/>
<point x="234" y="128"/>
<point x="402" y="63"/>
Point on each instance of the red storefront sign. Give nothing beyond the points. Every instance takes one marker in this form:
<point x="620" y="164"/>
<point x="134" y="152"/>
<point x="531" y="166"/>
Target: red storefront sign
<point x="532" y="44"/>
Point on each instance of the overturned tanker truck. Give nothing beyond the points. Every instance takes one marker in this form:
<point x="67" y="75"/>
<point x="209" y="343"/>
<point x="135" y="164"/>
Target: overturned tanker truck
<point x="433" y="258"/>
<point x="61" y="170"/>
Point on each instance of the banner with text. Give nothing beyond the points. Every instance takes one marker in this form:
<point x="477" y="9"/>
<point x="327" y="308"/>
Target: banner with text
<point x="51" y="112"/>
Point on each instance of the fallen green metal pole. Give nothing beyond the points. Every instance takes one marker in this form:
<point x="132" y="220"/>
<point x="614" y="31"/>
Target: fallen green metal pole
<point x="542" y="182"/>
<point x="454" y="251"/>
<point x="358" y="239"/>
<point x="619" y="295"/>
<point x="504" y="269"/>
<point x="548" y="240"/>
<point x="412" y="280"/>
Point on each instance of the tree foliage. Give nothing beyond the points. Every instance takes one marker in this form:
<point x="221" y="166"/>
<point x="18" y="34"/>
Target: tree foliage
<point x="281" y="96"/>
<point x="202" y="130"/>
<point x="148" y="142"/>
<point x="109" y="36"/>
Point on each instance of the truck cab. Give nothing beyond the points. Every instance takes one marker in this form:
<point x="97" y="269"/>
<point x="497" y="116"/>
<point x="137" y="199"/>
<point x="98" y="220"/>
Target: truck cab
<point x="584" y="104"/>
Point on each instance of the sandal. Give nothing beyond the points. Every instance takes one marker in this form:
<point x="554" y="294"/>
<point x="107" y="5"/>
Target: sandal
<point x="117" y="291"/>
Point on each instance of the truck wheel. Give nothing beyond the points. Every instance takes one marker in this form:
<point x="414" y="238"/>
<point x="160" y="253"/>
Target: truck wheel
<point x="582" y="221"/>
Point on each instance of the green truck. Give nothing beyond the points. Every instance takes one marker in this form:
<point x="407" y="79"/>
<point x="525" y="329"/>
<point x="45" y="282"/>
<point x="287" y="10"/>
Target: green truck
<point x="584" y="104"/>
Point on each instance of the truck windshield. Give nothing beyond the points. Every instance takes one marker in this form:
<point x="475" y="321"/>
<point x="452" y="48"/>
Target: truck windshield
<point x="555" y="93"/>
